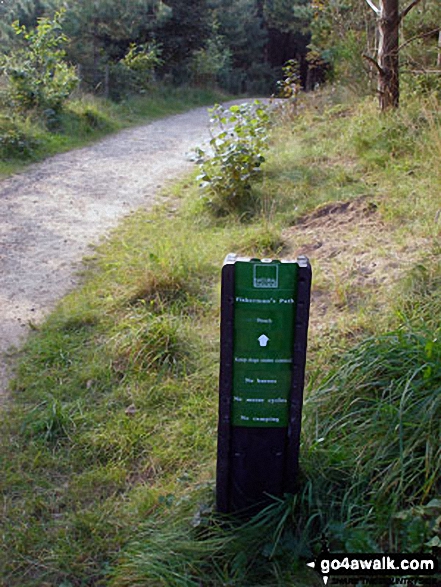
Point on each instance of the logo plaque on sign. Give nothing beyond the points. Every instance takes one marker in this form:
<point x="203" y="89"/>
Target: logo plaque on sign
<point x="264" y="324"/>
<point x="265" y="276"/>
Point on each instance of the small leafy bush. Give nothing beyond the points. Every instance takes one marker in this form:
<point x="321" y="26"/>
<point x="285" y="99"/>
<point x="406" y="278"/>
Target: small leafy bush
<point x="135" y="73"/>
<point x="288" y="88"/>
<point x="239" y="139"/>
<point x="37" y="75"/>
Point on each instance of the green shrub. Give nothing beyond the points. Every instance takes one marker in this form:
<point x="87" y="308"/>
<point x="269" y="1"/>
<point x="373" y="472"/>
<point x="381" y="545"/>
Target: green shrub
<point x="240" y="137"/>
<point x="135" y="73"/>
<point x="289" y="88"/>
<point x="37" y="75"/>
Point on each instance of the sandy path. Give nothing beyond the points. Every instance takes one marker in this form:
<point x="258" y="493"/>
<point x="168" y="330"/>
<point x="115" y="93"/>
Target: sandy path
<point x="50" y="214"/>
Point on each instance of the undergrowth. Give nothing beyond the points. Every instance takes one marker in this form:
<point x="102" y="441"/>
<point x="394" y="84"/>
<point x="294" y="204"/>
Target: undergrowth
<point x="108" y="442"/>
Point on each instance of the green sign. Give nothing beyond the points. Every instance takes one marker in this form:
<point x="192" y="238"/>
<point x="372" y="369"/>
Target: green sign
<point x="264" y="316"/>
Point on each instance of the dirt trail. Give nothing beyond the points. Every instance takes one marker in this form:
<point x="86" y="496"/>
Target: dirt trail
<point x="50" y="214"/>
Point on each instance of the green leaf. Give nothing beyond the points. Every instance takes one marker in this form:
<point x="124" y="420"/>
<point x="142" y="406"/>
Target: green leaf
<point x="434" y="542"/>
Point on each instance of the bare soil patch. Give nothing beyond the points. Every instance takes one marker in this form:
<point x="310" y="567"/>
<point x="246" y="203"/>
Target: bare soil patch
<point x="357" y="258"/>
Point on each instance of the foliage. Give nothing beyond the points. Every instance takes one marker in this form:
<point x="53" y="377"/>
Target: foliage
<point x="418" y="529"/>
<point x="141" y="61"/>
<point x="211" y="62"/>
<point x="288" y="89"/>
<point x="181" y="34"/>
<point x="245" y="35"/>
<point x="26" y="12"/>
<point x="239" y="140"/>
<point x="289" y="86"/>
<point x="421" y="51"/>
<point x="239" y="44"/>
<point x="341" y="32"/>
<point x="102" y="33"/>
<point x="17" y="139"/>
<point x="38" y="77"/>
<point x="344" y="34"/>
<point x="288" y="15"/>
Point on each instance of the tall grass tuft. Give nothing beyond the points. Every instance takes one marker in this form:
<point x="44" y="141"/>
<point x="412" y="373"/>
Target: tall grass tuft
<point x="376" y="422"/>
<point x="191" y="547"/>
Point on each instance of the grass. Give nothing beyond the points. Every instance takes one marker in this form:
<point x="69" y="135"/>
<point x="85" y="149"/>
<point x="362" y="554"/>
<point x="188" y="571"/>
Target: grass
<point x="30" y="138"/>
<point x="392" y="383"/>
<point x="108" y="442"/>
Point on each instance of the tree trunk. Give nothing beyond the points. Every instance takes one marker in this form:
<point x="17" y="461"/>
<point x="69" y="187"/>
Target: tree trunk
<point x="388" y="62"/>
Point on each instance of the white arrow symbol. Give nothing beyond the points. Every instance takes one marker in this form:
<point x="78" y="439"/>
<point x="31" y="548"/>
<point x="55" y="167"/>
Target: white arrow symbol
<point x="325" y="580"/>
<point x="312" y="565"/>
<point x="263" y="340"/>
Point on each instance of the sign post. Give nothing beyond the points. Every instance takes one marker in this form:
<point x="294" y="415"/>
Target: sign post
<point x="264" y="325"/>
